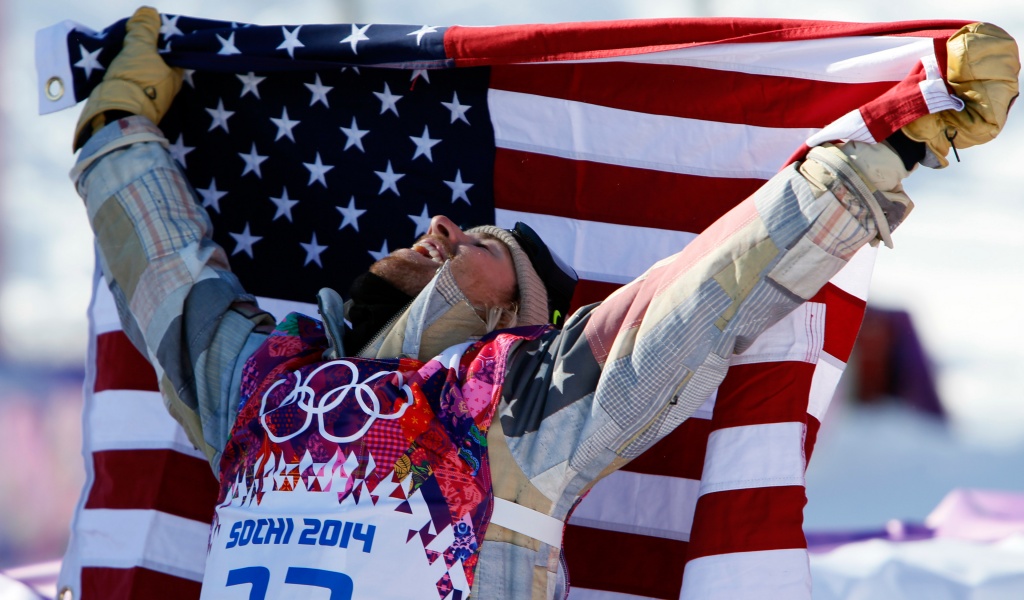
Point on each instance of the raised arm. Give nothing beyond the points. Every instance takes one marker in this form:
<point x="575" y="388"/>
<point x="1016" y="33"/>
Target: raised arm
<point x="178" y="301"/>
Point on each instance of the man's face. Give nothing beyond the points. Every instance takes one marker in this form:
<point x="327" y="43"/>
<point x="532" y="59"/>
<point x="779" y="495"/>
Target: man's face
<point x="482" y="265"/>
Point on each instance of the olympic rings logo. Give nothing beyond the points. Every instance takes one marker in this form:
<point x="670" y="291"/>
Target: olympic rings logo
<point x="361" y="392"/>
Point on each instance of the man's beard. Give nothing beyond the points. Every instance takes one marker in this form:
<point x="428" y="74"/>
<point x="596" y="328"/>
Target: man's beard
<point x="407" y="273"/>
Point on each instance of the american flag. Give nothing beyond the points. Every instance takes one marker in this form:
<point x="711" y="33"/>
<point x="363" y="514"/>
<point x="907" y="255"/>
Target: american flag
<point x="319" y="148"/>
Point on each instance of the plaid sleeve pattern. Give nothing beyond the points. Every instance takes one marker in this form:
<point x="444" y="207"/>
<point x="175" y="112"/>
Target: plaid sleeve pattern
<point x="178" y="300"/>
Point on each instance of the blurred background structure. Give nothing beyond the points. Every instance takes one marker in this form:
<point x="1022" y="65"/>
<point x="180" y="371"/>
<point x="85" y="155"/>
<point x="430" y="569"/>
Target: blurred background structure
<point x="955" y="271"/>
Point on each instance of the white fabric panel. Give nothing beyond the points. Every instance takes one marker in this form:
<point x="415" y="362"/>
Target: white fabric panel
<point x="859" y="59"/>
<point x="799" y="336"/>
<point x="584" y="244"/>
<point x="652" y="505"/>
<point x="746" y="576"/>
<point x="527" y="521"/>
<point x="754" y="456"/>
<point x="131" y="419"/>
<point x="855" y="277"/>
<point x="123" y="539"/>
<point x="850" y="126"/>
<point x="823" y="385"/>
<point x="581" y="131"/>
<point x="52" y="61"/>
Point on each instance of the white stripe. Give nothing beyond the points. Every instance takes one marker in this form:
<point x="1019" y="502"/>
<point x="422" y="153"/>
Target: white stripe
<point x="754" y="456"/>
<point x="748" y="576"/>
<point x="855" y="277"/>
<point x="103" y="311"/>
<point x="282" y="308"/>
<point x="799" y="336"/>
<point x="850" y="126"/>
<point x="823" y="385"/>
<point x="123" y="539"/>
<point x="578" y="593"/>
<point x="528" y="522"/>
<point x="581" y="131"/>
<point x="129" y="419"/>
<point x="105" y="317"/>
<point x="585" y="244"/>
<point x="653" y="505"/>
<point x="855" y="59"/>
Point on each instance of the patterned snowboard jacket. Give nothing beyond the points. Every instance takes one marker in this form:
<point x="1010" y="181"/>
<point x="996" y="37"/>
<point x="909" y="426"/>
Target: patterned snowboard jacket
<point x="551" y="413"/>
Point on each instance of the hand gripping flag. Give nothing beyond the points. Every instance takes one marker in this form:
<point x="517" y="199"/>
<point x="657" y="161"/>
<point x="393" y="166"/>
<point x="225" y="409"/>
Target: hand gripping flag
<point x="319" y="148"/>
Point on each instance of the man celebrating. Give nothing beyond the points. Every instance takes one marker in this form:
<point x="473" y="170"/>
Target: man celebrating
<point x="411" y="443"/>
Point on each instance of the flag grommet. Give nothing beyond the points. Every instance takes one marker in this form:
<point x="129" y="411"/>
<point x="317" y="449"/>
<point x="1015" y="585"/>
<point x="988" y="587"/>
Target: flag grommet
<point x="54" y="89"/>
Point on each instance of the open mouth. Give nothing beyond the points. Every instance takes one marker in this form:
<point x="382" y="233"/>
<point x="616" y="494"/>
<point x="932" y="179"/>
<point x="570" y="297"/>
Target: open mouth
<point x="431" y="250"/>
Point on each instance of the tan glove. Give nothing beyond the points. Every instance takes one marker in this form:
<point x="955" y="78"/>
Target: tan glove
<point x="983" y="65"/>
<point x="138" y="80"/>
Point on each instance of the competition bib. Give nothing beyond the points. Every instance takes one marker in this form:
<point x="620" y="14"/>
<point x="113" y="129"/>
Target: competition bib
<point x="300" y="544"/>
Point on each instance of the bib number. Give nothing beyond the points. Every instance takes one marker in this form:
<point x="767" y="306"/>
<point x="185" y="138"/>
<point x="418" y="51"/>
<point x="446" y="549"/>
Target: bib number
<point x="339" y="584"/>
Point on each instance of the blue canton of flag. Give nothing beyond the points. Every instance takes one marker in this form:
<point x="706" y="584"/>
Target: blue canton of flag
<point x="310" y="176"/>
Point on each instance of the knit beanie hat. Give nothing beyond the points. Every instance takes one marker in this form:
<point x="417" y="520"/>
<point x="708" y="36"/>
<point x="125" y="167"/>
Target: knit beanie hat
<point x="533" y="297"/>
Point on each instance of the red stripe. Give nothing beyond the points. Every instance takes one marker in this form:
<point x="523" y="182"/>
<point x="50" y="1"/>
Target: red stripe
<point x="588" y="292"/>
<point x="104" y="583"/>
<point x="763" y="393"/>
<point x="119" y="366"/>
<point x="843" y="316"/>
<point x="624" y="562"/>
<point x="813" y="426"/>
<point x="538" y="183"/>
<point x="748" y="520"/>
<point x="479" y="46"/>
<point x="163" y="480"/>
<point x="711" y="95"/>
<point x="679" y="454"/>
<point x="897" y="107"/>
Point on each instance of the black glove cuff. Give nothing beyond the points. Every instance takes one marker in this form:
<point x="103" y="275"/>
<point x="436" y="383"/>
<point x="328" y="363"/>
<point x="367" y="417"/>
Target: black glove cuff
<point x="911" y="152"/>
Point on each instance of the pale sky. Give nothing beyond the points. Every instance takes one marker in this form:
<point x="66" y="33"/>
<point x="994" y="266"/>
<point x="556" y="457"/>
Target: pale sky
<point x="954" y="266"/>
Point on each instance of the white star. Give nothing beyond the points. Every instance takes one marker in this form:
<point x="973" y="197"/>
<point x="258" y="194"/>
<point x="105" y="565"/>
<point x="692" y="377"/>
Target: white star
<point x="422" y="31"/>
<point x="319" y="91"/>
<point x="227" y="46"/>
<point x="89" y="61"/>
<point x="313" y="251"/>
<point x="425" y="74"/>
<point x="459" y="188"/>
<point x="387" y="100"/>
<point x="291" y="41"/>
<point x="179" y="150"/>
<point x="350" y="215"/>
<point x="169" y="26"/>
<point x="560" y="376"/>
<point x="252" y="162"/>
<point x="358" y="35"/>
<point x="211" y="195"/>
<point x="382" y="253"/>
<point x="458" y="110"/>
<point x="166" y="49"/>
<point x="249" y="84"/>
<point x="423" y="145"/>
<point x="354" y="136"/>
<point x="284" y="206"/>
<point x="220" y="116"/>
<point x="284" y="125"/>
<point x="388" y="180"/>
<point x="317" y="170"/>
<point x="244" y="241"/>
<point x="186" y="75"/>
<point x="422" y="222"/>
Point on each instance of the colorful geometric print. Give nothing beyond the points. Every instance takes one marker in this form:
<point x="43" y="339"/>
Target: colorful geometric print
<point x="367" y="428"/>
